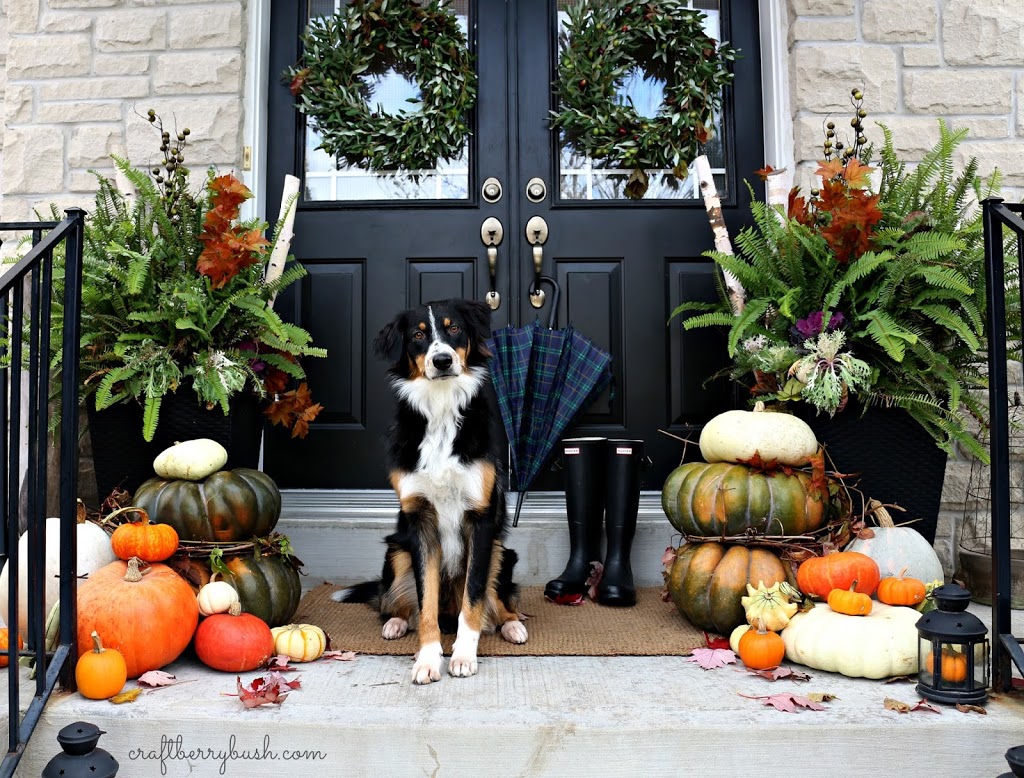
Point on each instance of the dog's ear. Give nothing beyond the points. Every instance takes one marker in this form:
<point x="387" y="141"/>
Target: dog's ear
<point x="477" y="315"/>
<point x="388" y="343"/>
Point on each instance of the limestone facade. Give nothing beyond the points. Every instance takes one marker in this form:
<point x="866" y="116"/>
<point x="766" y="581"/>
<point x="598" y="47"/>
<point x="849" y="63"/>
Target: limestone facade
<point x="79" y="75"/>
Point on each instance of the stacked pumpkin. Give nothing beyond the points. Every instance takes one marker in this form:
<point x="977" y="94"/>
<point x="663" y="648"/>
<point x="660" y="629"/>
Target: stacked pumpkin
<point x="728" y="496"/>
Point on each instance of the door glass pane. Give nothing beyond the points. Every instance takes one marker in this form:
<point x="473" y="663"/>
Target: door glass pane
<point x="329" y="180"/>
<point x="583" y="178"/>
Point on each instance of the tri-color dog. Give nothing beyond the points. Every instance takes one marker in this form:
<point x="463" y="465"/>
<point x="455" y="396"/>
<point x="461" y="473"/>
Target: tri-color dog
<point x="446" y="563"/>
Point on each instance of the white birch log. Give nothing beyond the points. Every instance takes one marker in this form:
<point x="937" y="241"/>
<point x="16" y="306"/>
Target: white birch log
<point x="778" y="184"/>
<point x="279" y="254"/>
<point x="702" y="168"/>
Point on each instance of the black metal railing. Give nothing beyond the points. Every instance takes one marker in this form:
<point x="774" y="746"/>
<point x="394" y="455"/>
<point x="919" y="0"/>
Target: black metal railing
<point x="999" y="217"/>
<point x="27" y="376"/>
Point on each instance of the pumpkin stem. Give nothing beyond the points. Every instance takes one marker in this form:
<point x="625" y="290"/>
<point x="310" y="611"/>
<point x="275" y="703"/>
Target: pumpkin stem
<point x="761" y="628"/>
<point x="97" y="645"/>
<point x="133" y="574"/>
<point x="853" y="587"/>
<point x="903" y="572"/>
<point x="235" y="609"/>
<point x="759" y="406"/>
<point x="128" y="509"/>
<point x="882" y="516"/>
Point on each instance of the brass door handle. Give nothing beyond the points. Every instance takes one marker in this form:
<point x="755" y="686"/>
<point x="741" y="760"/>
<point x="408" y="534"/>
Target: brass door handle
<point x="491" y="233"/>
<point x="537" y="236"/>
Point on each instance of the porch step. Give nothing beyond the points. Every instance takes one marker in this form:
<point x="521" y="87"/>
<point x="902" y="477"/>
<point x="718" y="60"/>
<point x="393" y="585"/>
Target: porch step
<point x="535" y="716"/>
<point x="338" y="535"/>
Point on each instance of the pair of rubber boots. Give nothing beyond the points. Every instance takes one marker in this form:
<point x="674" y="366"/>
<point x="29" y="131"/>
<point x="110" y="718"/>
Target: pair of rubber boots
<point x="602" y="487"/>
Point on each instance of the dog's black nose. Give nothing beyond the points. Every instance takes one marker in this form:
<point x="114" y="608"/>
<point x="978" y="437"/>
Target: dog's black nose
<point x="443" y="361"/>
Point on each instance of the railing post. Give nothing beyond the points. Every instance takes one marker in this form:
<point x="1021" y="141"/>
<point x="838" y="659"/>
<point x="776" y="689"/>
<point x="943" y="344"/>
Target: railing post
<point x="998" y="440"/>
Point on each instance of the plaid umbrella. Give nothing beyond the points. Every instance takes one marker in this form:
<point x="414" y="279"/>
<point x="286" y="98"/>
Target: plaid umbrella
<point x="543" y="377"/>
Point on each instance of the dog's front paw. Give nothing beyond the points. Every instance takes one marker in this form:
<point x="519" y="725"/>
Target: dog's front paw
<point x="462" y="666"/>
<point x="394" y="628"/>
<point x="514" y="631"/>
<point x="427" y="667"/>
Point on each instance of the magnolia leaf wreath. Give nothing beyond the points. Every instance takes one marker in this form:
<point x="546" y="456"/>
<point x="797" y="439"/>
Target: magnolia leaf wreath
<point x="343" y="53"/>
<point x="605" y="42"/>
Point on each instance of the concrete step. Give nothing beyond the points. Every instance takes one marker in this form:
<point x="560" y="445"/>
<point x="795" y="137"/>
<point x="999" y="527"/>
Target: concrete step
<point x="338" y="535"/>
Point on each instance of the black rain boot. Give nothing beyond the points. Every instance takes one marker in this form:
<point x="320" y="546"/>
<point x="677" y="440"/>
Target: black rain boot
<point x="624" y="460"/>
<point x="585" y="461"/>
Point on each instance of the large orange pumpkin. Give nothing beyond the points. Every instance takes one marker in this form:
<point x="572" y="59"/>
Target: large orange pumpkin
<point x="820" y="575"/>
<point x="148" y="615"/>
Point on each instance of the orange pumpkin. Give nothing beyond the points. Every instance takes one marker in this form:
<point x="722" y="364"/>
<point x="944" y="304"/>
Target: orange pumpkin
<point x="101" y="672"/>
<point x="820" y="575"/>
<point x="149" y="616"/>
<point x="760" y="648"/>
<point x="849" y="601"/>
<point x="234" y="641"/>
<point x="901" y="590"/>
<point x="952" y="666"/>
<point x="143" y="539"/>
<point x="5" y="644"/>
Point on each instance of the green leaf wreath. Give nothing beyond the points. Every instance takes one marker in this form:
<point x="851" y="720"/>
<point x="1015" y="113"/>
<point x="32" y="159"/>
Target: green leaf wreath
<point x="368" y="38"/>
<point x="602" y="44"/>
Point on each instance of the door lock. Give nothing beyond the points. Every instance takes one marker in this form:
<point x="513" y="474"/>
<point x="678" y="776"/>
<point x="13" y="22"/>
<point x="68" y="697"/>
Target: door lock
<point x="491" y="190"/>
<point x="536" y="236"/>
<point x="536" y="190"/>
<point x="491" y="233"/>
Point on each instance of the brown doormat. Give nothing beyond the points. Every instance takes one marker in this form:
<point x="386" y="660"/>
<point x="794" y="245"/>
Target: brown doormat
<point x="650" y="628"/>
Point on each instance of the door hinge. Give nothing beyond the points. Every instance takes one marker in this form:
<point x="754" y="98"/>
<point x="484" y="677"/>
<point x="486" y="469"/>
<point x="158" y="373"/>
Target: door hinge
<point x="246" y="157"/>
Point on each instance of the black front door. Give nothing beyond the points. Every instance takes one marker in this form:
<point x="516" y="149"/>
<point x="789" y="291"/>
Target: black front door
<point x="377" y="244"/>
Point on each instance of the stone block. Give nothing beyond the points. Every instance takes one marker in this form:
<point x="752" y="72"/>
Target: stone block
<point x="198" y="73"/>
<point x="22" y="15"/>
<point x="65" y="22"/>
<point x="823" y="30"/>
<point x="91" y="144"/>
<point x="1007" y="155"/>
<point x="120" y="64"/>
<point x="83" y="3"/>
<point x="988" y="33"/>
<point x="107" y="88"/>
<point x="33" y="160"/>
<point x="18" y="104"/>
<point x="75" y="112"/>
<point x="205" y="28"/>
<point x="921" y="56"/>
<point x="133" y="30"/>
<point x="946" y="92"/>
<point x="909" y="21"/>
<point x="1020" y="106"/>
<point x="820" y="7"/>
<point x="48" y="56"/>
<point x="955" y="487"/>
<point x="84" y="181"/>
<point x="215" y="125"/>
<point x="823" y="75"/>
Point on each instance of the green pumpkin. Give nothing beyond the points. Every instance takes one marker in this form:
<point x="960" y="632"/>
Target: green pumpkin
<point x="229" y="505"/>
<point x="268" y="586"/>
<point x="707" y="582"/>
<point x="724" y="499"/>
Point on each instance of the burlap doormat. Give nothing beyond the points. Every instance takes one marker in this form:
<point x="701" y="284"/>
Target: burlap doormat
<point x="651" y="628"/>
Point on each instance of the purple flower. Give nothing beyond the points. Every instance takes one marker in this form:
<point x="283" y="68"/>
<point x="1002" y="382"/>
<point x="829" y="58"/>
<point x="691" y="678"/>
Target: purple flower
<point x="811" y="326"/>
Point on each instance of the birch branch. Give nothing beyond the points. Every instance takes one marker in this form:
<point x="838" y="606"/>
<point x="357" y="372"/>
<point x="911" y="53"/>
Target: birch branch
<point x="701" y="166"/>
<point x="279" y="254"/>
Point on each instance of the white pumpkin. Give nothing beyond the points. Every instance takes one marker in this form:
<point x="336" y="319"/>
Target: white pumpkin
<point x="879" y="645"/>
<point x="191" y="460"/>
<point x="300" y="642"/>
<point x="94" y="552"/>
<point x="735" y="436"/>
<point x="216" y="596"/>
<point x="895" y="548"/>
<point x="734" y="637"/>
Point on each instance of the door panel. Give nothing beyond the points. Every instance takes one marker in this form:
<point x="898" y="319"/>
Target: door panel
<point x="622" y="266"/>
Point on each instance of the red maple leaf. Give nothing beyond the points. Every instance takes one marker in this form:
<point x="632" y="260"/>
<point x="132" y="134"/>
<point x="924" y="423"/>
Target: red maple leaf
<point x="786" y="702"/>
<point x="269" y="689"/>
<point x="711" y="658"/>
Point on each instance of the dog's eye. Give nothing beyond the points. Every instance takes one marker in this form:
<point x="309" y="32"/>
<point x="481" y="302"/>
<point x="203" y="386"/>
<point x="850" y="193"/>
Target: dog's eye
<point x="454" y="329"/>
<point x="418" y="335"/>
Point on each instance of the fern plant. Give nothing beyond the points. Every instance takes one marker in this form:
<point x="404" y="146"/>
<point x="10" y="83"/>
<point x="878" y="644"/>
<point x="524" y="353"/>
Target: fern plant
<point x="894" y="277"/>
<point x="174" y="298"/>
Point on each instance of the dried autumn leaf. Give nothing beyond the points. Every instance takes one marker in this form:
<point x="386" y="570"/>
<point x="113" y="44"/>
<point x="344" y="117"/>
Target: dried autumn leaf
<point x="963" y="708"/>
<point x="128" y="696"/>
<point x="280" y="664"/>
<point x="786" y="702"/>
<point x="900" y="679"/>
<point x="669" y="557"/>
<point x="269" y="689"/>
<point x="596" y="572"/>
<point x="567" y="599"/>
<point x="156" y="678"/>
<point x="903" y="707"/>
<point x="780" y="674"/>
<point x="711" y="658"/>
<point x="715" y="641"/>
<point x="341" y="656"/>
<point x="821" y="696"/>
<point x="764" y="172"/>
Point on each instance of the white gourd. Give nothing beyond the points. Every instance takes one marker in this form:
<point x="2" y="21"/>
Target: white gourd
<point x="191" y="460"/>
<point x="895" y="548"/>
<point x="216" y="597"/>
<point x="880" y="645"/>
<point x="735" y="436"/>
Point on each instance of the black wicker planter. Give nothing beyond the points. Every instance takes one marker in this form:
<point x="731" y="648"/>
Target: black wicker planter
<point x="896" y="458"/>
<point x="122" y="458"/>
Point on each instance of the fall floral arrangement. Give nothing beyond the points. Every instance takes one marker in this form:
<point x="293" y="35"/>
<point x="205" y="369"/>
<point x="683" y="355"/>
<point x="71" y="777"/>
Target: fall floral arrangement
<point x="871" y="289"/>
<point x="177" y="297"/>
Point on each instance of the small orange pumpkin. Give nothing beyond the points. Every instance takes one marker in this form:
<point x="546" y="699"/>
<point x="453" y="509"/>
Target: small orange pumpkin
<point x="143" y="539"/>
<point x="821" y="574"/>
<point x="234" y="642"/>
<point x="100" y="673"/>
<point x="901" y="590"/>
<point x="849" y="601"/>
<point x="760" y="648"/>
<point x="5" y="643"/>
<point x="952" y="666"/>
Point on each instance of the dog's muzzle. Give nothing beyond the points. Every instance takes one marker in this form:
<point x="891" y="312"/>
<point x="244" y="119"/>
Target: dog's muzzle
<point x="442" y="365"/>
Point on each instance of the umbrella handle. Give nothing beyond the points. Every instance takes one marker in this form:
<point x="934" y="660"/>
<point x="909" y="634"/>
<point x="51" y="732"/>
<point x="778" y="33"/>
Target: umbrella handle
<point x="556" y="293"/>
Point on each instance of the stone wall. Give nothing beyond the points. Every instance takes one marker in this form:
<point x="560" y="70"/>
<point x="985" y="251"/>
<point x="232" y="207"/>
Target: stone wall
<point x="915" y="61"/>
<point x="81" y="74"/>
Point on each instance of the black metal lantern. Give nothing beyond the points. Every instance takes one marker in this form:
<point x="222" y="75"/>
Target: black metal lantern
<point x="952" y="654"/>
<point x="1015" y="758"/>
<point x="81" y="758"/>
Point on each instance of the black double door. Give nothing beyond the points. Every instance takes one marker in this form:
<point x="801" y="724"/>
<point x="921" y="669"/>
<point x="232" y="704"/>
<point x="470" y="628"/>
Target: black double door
<point x="375" y="245"/>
